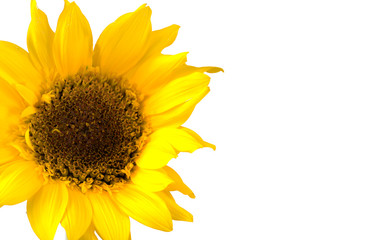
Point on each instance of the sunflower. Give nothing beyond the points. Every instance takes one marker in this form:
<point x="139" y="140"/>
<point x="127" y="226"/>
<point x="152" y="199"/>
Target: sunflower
<point x="87" y="132"/>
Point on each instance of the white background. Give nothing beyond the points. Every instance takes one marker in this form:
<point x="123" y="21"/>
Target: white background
<point x="301" y="117"/>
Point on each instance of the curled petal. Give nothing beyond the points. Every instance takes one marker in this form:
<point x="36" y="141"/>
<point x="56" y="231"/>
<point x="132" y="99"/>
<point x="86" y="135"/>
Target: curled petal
<point x="177" y="212"/>
<point x="165" y="144"/>
<point x="178" y="184"/>
<point x="161" y="39"/>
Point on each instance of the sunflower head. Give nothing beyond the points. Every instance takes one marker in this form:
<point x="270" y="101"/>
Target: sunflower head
<point x="88" y="131"/>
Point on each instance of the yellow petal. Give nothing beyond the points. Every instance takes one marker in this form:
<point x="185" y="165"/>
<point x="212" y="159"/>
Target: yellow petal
<point x="7" y="154"/>
<point x="165" y="144"/>
<point x="153" y="73"/>
<point x="72" y="46"/>
<point x="89" y="234"/>
<point x="161" y="39"/>
<point x="40" y="40"/>
<point x="178" y="184"/>
<point x="186" y="70"/>
<point x="78" y="215"/>
<point x="196" y="138"/>
<point x="28" y="140"/>
<point x="109" y="221"/>
<point x="30" y="110"/>
<point x="16" y="67"/>
<point x="123" y="43"/>
<point x="46" y="209"/>
<point x="12" y="105"/>
<point x="176" y="92"/>
<point x="18" y="181"/>
<point x="178" y="115"/>
<point x="144" y="207"/>
<point x="156" y="154"/>
<point x="177" y="212"/>
<point x="184" y="140"/>
<point x="26" y="94"/>
<point x="150" y="180"/>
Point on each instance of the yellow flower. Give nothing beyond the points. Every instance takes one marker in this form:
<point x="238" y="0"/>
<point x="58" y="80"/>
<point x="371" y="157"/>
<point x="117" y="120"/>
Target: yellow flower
<point x="87" y="133"/>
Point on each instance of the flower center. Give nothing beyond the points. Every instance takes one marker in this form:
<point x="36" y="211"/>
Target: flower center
<point x="89" y="132"/>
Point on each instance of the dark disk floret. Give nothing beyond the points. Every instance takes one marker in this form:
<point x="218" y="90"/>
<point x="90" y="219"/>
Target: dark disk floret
<point x="89" y="131"/>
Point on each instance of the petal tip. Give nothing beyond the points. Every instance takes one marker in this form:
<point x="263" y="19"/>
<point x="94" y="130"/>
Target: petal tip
<point x="144" y="8"/>
<point x="33" y="6"/>
<point x="215" y="70"/>
<point x="212" y="146"/>
<point x="170" y="228"/>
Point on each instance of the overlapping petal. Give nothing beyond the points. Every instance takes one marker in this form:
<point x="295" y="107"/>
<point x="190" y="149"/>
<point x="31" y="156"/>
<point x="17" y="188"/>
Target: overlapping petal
<point x="165" y="144"/>
<point x="7" y="154"/>
<point x="124" y="42"/>
<point x="78" y="215"/>
<point x="40" y="40"/>
<point x="154" y="73"/>
<point x="161" y="39"/>
<point x="177" y="212"/>
<point x="109" y="221"/>
<point x="12" y="105"/>
<point x="16" y="67"/>
<point x="72" y="44"/>
<point x="176" y="92"/>
<point x="178" y="184"/>
<point x="89" y="234"/>
<point x="18" y="180"/>
<point x="144" y="207"/>
<point x="152" y="180"/>
<point x="46" y="209"/>
<point x="26" y="94"/>
<point x="156" y="154"/>
<point x="177" y="115"/>
<point x="173" y="104"/>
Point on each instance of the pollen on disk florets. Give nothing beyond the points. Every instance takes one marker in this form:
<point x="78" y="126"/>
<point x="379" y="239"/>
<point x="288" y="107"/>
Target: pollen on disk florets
<point x="89" y="131"/>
